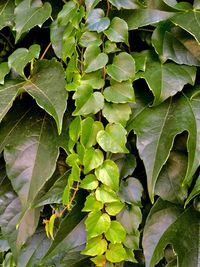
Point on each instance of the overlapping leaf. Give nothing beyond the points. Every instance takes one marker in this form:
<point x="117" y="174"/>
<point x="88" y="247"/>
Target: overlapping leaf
<point x="6" y="13"/>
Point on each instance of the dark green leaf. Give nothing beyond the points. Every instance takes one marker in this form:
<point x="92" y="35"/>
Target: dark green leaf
<point x="195" y="191"/>
<point x="90" y="38"/>
<point x="6" y="13"/>
<point x="42" y="87"/>
<point x="56" y="34"/>
<point x="4" y="70"/>
<point x="126" y="4"/>
<point x="67" y="13"/>
<point x="29" y="15"/>
<point x="97" y="21"/>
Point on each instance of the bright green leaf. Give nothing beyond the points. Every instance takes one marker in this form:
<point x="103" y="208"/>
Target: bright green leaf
<point x="75" y="129"/>
<point x="95" y="246"/>
<point x="97" y="223"/>
<point x="90" y="182"/>
<point x="113" y="139"/>
<point x="116" y="253"/>
<point x="117" y="31"/>
<point x="116" y="233"/>
<point x="108" y="174"/>
<point x="93" y="158"/>
<point x="4" y="70"/>
<point x="114" y="208"/>
<point x="106" y="195"/>
<point x="56" y="34"/>
<point x="122" y="68"/>
<point x="92" y="204"/>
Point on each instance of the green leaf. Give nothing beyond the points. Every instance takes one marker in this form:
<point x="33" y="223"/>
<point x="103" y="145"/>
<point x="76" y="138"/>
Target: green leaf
<point x="97" y="21"/>
<point x="29" y="15"/>
<point x="90" y="182"/>
<point x="195" y="191"/>
<point x="113" y="139"/>
<point x="158" y="77"/>
<point x="108" y="174"/>
<point x="130" y="218"/>
<point x="106" y="195"/>
<point x="126" y="4"/>
<point x="67" y="13"/>
<point x="114" y="208"/>
<point x="117" y="31"/>
<point x="95" y="246"/>
<point x="126" y="164"/>
<point x="116" y="253"/>
<point x="172" y="43"/>
<point x="92" y="204"/>
<point x="111" y="47"/>
<point x="188" y="21"/>
<point x="99" y="260"/>
<point x="4" y="70"/>
<point x="90" y="38"/>
<point x="117" y="113"/>
<point x="86" y="101"/>
<point x="7" y="13"/>
<point x="122" y="68"/>
<point x="154" y="142"/>
<point x="93" y="79"/>
<point x="169" y="184"/>
<point x="93" y="158"/>
<point x="120" y="92"/>
<point x="97" y="223"/>
<point x="91" y="4"/>
<point x="8" y="92"/>
<point x="41" y="86"/>
<point x="75" y="129"/>
<point x="21" y="57"/>
<point x="172" y="225"/>
<point x="56" y="34"/>
<point x="131" y="191"/>
<point x="116" y="233"/>
<point x="94" y="59"/>
<point x="140" y="60"/>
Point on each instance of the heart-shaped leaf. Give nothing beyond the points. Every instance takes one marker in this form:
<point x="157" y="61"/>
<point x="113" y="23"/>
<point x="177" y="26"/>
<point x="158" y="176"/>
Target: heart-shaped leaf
<point x="122" y="68"/>
<point x="97" y="21"/>
<point x="93" y="158"/>
<point x="105" y="194"/>
<point x="117" y="31"/>
<point x="113" y="138"/>
<point x="95" y="246"/>
<point x="116" y="233"/>
<point x="116" y="253"/>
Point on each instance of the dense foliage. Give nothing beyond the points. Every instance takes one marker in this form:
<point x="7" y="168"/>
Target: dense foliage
<point x="99" y="133"/>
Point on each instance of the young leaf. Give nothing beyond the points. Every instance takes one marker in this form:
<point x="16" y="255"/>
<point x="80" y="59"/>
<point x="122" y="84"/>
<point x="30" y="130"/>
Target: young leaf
<point x="4" y="70"/>
<point x="114" y="208"/>
<point x="113" y="139"/>
<point x="97" y="21"/>
<point x="28" y="16"/>
<point x="122" y="68"/>
<point x="116" y="253"/>
<point x="92" y="204"/>
<point x="86" y="101"/>
<point x="41" y="86"/>
<point x="94" y="59"/>
<point x="93" y="158"/>
<point x="75" y="129"/>
<point x="116" y="233"/>
<point x="106" y="195"/>
<point x="117" y="31"/>
<point x="95" y="246"/>
<point x="108" y="174"/>
<point x="90" y="182"/>
<point x="97" y="223"/>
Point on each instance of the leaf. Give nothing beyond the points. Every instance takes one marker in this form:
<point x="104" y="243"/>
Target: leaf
<point x="97" y="21"/>
<point x="116" y="253"/>
<point x="56" y="34"/>
<point x="116" y="233"/>
<point x="117" y="31"/>
<point x="31" y="156"/>
<point x="113" y="138"/>
<point x="8" y="92"/>
<point x="67" y="13"/>
<point x="188" y="20"/>
<point x="90" y="38"/>
<point x="29" y="16"/>
<point x="94" y="59"/>
<point x="92" y="204"/>
<point x="130" y="218"/>
<point x="7" y="13"/>
<point x="131" y="191"/>
<point x="122" y="68"/>
<point x="93" y="79"/>
<point x="4" y="70"/>
<point x="108" y="174"/>
<point x="159" y="76"/>
<point x="175" y="44"/>
<point x="169" y="184"/>
<point x="195" y="191"/>
<point x="106" y="195"/>
<point x="91" y="4"/>
<point x="126" y="4"/>
<point x="90" y="182"/>
<point x="86" y="101"/>
<point x="93" y="158"/>
<point x="126" y="164"/>
<point x="117" y="113"/>
<point x="21" y="57"/>
<point x="114" y="208"/>
<point x="143" y="17"/>
<point x="95" y="246"/>
<point x="97" y="223"/>
<point x="75" y="129"/>
<point x="172" y="225"/>
<point x="41" y="86"/>
<point x="120" y="92"/>
<point x="154" y="142"/>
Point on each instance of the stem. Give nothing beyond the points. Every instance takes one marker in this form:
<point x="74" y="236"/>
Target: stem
<point x="45" y="51"/>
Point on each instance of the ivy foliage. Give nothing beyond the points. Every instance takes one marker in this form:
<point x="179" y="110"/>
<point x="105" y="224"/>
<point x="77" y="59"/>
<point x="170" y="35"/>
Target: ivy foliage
<point x="99" y="133"/>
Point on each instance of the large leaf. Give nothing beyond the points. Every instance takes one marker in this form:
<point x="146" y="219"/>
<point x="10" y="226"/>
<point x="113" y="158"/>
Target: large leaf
<point x="195" y="191"/>
<point x="8" y="93"/>
<point x="167" y="79"/>
<point x="29" y="14"/>
<point x="165" y="225"/>
<point x="6" y="13"/>
<point x="173" y="43"/>
<point x="156" y="129"/>
<point x="188" y="21"/>
<point x="47" y="86"/>
<point x="4" y="70"/>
